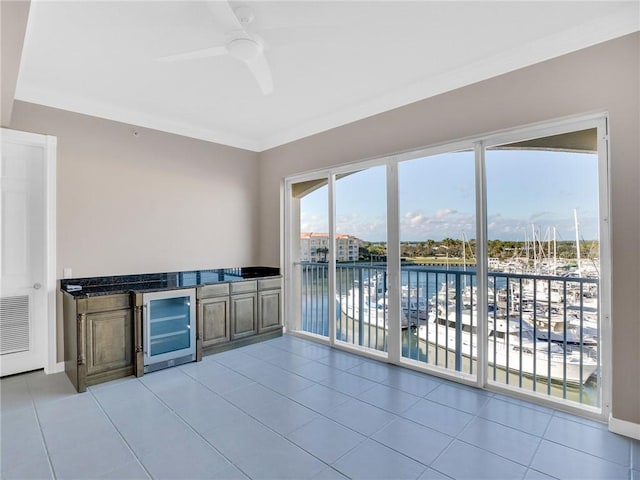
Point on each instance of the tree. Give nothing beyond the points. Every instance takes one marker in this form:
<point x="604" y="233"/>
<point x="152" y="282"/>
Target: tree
<point x="378" y="250"/>
<point x="324" y="252"/>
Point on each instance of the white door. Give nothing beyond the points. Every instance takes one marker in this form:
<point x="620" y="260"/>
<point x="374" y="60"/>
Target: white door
<point x="24" y="286"/>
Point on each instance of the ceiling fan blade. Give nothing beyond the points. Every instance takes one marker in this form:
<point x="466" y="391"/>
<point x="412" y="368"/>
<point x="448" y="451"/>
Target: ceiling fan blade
<point x="262" y="73"/>
<point x="205" y="52"/>
<point x="224" y="14"/>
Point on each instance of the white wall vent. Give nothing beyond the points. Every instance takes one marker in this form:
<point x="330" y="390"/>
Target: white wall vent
<point x="14" y="324"/>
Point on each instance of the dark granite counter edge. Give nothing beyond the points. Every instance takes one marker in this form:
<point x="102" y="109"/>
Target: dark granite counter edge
<point x="149" y="282"/>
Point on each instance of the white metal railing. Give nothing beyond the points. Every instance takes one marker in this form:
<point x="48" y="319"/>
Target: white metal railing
<point x="543" y="330"/>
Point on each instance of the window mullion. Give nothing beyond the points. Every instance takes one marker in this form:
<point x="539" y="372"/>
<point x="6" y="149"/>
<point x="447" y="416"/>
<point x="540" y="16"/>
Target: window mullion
<point x="393" y="263"/>
<point x="481" y="264"/>
<point x="332" y="257"/>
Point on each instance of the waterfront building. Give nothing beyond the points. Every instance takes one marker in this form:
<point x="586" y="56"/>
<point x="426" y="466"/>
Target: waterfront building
<point x="314" y="247"/>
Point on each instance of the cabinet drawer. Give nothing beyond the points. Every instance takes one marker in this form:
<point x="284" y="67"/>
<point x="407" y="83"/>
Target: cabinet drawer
<point x="269" y="283"/>
<point x="108" y="302"/>
<point x="209" y="291"/>
<point x="244" y="287"/>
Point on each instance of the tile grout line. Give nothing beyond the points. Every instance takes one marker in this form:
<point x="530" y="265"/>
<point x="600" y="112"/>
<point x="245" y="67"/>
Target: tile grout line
<point x="443" y="382"/>
<point x="370" y="437"/>
<point x="248" y="414"/>
<point x="456" y="437"/>
<point x="188" y="425"/>
<point x="562" y="418"/>
<point x="115" y="427"/>
<point x="44" y="441"/>
<point x="477" y="416"/>
<point x="366" y="437"/>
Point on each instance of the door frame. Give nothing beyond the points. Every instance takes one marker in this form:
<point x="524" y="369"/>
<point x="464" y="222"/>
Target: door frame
<point x="478" y="143"/>
<point x="49" y="356"/>
<point x="599" y="121"/>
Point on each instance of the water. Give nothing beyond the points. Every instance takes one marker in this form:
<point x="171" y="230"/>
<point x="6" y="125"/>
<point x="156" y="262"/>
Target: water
<point x="315" y="319"/>
<point x="587" y="394"/>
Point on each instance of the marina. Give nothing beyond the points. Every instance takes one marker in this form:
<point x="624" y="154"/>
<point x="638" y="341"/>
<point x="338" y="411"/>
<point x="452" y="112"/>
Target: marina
<point x="542" y="329"/>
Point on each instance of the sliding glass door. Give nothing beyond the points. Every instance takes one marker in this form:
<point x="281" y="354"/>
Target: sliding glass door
<point x="437" y="239"/>
<point x="486" y="260"/>
<point x="352" y="253"/>
<point x="361" y="258"/>
<point x="310" y="302"/>
<point x="543" y="232"/>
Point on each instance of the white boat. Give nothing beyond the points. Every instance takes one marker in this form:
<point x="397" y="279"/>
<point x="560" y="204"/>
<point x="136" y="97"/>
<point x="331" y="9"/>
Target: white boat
<point x="375" y="309"/>
<point x="511" y="346"/>
<point x="558" y="329"/>
<point x="373" y="312"/>
<point x="414" y="305"/>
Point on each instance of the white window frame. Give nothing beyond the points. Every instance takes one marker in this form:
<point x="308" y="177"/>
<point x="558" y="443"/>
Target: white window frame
<point x="478" y="144"/>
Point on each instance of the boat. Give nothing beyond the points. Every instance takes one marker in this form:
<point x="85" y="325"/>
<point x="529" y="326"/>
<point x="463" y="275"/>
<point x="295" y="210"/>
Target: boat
<point x="375" y="309"/>
<point x="373" y="312"/>
<point x="511" y="346"/>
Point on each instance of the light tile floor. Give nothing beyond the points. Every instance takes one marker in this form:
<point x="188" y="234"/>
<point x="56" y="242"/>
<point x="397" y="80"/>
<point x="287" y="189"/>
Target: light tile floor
<point x="289" y="408"/>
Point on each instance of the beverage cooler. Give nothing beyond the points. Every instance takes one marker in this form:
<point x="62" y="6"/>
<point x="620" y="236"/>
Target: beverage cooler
<point x="169" y="328"/>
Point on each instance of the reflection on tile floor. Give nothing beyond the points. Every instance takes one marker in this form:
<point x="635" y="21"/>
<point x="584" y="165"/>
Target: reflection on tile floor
<point x="290" y="408"/>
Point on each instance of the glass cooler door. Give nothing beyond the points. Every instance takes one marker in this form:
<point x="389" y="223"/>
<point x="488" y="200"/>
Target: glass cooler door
<point x="169" y="325"/>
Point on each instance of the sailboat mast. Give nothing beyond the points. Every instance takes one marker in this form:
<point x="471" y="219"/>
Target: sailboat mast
<point x="555" y="258"/>
<point x="575" y="218"/>
<point x="535" y="248"/>
<point x="464" y="252"/>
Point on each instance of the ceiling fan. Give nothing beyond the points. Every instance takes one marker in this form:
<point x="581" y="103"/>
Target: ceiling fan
<point x="240" y="44"/>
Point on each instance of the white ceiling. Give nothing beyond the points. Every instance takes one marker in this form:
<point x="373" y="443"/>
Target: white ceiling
<point x="332" y="62"/>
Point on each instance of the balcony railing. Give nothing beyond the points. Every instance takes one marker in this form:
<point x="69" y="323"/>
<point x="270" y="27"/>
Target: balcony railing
<point x="543" y="330"/>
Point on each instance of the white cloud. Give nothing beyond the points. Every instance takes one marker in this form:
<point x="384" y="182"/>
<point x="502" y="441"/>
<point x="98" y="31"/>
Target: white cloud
<point x="368" y="228"/>
<point x="443" y="223"/>
<point x="313" y="223"/>
<point x="415" y="218"/>
<point x="445" y="212"/>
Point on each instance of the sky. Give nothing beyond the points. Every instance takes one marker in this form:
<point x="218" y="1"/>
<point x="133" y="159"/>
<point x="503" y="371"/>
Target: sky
<point x="526" y="190"/>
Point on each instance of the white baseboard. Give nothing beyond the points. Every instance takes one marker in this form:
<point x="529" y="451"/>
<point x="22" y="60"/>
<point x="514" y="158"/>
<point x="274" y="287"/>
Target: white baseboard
<point x="56" y="368"/>
<point x="622" y="427"/>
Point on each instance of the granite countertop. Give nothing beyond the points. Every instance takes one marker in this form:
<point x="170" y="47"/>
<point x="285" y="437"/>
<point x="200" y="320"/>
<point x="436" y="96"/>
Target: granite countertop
<point x="149" y="282"/>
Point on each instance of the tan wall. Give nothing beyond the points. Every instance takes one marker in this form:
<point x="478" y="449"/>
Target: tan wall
<point x="13" y="25"/>
<point x="148" y="203"/>
<point x="603" y="77"/>
<point x="116" y="192"/>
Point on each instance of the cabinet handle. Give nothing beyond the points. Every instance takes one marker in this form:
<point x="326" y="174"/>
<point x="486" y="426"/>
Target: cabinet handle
<point x="145" y="328"/>
<point x="138" y="328"/>
<point x="82" y="338"/>
<point x="199" y="319"/>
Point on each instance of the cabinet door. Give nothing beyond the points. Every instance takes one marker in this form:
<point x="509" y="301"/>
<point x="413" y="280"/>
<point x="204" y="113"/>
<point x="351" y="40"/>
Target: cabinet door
<point x="243" y="315"/>
<point x="215" y="321"/>
<point x="269" y="310"/>
<point x="109" y="341"/>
